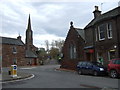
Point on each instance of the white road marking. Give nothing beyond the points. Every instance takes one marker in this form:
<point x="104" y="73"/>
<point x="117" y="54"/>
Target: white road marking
<point x="28" y="68"/>
<point x="19" y="79"/>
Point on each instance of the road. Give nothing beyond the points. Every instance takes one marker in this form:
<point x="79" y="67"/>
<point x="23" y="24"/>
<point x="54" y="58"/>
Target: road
<point x="47" y="76"/>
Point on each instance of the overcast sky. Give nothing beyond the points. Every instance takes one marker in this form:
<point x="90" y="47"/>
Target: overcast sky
<point x="50" y="20"/>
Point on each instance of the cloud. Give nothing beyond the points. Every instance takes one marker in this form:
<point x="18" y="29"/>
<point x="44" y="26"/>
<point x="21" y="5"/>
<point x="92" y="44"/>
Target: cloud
<point x="50" y="20"/>
<point x="39" y="40"/>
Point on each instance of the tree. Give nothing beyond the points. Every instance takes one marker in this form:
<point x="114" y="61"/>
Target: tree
<point x="42" y="55"/>
<point x="59" y="44"/>
<point x="54" y="52"/>
<point x="47" y="45"/>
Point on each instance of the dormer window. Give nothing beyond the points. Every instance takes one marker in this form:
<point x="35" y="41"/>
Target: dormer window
<point x="14" y="50"/>
<point x="109" y="30"/>
<point x="101" y="31"/>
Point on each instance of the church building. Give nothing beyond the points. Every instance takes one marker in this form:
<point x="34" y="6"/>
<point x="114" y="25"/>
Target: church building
<point x="14" y="51"/>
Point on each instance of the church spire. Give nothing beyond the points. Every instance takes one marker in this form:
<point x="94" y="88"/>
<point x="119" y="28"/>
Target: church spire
<point x="29" y="23"/>
<point x="29" y="35"/>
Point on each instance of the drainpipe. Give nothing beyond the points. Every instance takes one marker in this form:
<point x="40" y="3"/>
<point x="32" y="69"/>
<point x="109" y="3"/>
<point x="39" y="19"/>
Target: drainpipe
<point x="118" y="40"/>
<point x="94" y="54"/>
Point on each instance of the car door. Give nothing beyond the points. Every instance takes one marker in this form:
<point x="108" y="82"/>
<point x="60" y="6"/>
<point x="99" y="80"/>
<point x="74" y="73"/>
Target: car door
<point x="84" y="67"/>
<point x="89" y="67"/>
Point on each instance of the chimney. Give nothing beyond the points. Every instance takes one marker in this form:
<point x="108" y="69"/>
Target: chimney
<point x="97" y="13"/>
<point x="19" y="37"/>
<point x="71" y="24"/>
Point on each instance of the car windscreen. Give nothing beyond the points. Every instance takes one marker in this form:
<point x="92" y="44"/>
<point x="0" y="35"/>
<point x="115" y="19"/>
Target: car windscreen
<point x="117" y="62"/>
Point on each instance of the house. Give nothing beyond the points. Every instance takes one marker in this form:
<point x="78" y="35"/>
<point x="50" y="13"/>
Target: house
<point x="99" y="41"/>
<point x="14" y="51"/>
<point x="102" y="36"/>
<point x="73" y="49"/>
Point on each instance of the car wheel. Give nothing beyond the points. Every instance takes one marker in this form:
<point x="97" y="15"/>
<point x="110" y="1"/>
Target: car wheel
<point x="95" y="73"/>
<point x="113" y="74"/>
<point x="79" y="72"/>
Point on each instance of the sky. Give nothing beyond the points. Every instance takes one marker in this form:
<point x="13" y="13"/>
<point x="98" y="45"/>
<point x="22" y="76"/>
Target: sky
<point x="50" y="19"/>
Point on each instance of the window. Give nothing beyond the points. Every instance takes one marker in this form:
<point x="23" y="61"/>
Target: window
<point x="72" y="51"/>
<point x="89" y="64"/>
<point x="100" y="58"/>
<point x="116" y="61"/>
<point x="80" y="63"/>
<point x="102" y="29"/>
<point x="14" y="50"/>
<point x="109" y="30"/>
<point x="111" y="54"/>
<point x="84" y="63"/>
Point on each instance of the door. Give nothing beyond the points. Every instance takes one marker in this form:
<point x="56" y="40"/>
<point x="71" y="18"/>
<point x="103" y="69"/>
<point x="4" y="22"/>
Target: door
<point x="89" y="56"/>
<point x="84" y="68"/>
<point x="89" y="68"/>
<point x="35" y="61"/>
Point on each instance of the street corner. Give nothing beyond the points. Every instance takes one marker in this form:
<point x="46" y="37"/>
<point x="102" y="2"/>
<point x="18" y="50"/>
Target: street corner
<point x="21" y="76"/>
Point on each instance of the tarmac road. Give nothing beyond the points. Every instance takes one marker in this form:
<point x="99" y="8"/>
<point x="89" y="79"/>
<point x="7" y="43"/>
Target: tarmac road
<point x="47" y="76"/>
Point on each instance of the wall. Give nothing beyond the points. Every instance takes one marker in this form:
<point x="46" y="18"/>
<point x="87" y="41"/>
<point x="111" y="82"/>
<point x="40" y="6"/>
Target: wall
<point x="72" y="37"/>
<point x="8" y="55"/>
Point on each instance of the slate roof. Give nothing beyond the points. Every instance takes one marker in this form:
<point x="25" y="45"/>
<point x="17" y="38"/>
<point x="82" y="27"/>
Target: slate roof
<point x="30" y="54"/>
<point x="80" y="32"/>
<point x="112" y="13"/>
<point x="10" y="41"/>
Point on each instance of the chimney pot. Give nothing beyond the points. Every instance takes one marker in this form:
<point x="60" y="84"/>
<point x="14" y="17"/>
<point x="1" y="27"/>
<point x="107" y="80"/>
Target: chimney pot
<point x="97" y="13"/>
<point x="96" y="8"/>
<point x="19" y="37"/>
<point x="71" y="23"/>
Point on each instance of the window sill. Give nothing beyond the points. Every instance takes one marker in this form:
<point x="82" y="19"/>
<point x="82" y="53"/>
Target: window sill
<point x="14" y="52"/>
<point x="101" y="39"/>
<point x="109" y="37"/>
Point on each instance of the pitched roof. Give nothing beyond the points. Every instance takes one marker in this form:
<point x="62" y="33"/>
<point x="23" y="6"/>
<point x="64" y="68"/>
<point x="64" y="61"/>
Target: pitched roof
<point x="112" y="13"/>
<point x="11" y="41"/>
<point x="30" y="54"/>
<point x="80" y="32"/>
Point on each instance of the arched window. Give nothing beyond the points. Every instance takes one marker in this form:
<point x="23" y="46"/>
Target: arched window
<point x="72" y="51"/>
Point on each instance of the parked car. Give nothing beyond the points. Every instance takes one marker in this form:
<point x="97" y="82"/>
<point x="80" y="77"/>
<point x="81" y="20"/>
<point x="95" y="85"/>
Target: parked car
<point x="94" y="68"/>
<point x="114" y="68"/>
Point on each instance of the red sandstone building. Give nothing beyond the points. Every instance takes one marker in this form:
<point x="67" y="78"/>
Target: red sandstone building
<point x="14" y="51"/>
<point x="104" y="33"/>
<point x="73" y="49"/>
<point x="102" y="40"/>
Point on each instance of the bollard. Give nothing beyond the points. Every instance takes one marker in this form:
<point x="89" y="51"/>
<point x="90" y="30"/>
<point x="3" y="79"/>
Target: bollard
<point x="14" y="70"/>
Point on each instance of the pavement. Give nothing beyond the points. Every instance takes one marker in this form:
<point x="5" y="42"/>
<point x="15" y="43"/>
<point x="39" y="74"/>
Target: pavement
<point x="5" y="77"/>
<point x="20" y="75"/>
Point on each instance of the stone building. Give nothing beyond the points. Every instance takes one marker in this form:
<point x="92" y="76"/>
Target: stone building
<point x="14" y="51"/>
<point x="99" y="41"/>
<point x="30" y="49"/>
<point x="73" y="49"/>
<point x="102" y="36"/>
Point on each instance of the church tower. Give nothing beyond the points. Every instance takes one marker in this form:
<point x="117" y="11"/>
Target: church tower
<point x="29" y="35"/>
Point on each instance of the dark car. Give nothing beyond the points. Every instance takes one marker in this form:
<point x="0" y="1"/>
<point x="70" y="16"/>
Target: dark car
<point x="94" y="68"/>
<point x="114" y="68"/>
